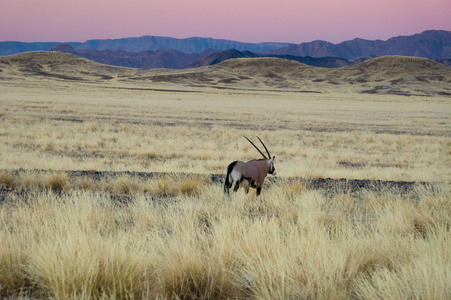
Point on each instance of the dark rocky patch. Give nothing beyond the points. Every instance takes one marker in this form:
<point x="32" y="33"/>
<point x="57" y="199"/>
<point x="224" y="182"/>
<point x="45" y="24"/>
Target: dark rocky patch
<point x="329" y="186"/>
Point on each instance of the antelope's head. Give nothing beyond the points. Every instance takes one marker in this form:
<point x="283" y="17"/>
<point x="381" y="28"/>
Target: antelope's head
<point x="271" y="168"/>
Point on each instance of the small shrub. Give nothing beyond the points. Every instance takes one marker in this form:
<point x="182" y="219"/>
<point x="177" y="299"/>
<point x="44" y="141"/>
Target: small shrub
<point x="91" y="126"/>
<point x="8" y="180"/>
<point x="53" y="181"/>
<point x="147" y="155"/>
<point x="163" y="187"/>
<point x="85" y="184"/>
<point x="168" y="186"/>
<point x="57" y="182"/>
<point x="191" y="186"/>
<point x="33" y="181"/>
<point x="295" y="188"/>
<point x="106" y="185"/>
<point x="127" y="185"/>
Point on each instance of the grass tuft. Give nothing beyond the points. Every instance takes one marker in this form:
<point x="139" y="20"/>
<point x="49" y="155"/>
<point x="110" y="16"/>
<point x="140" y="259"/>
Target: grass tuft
<point x="170" y="186"/>
<point x="81" y="245"/>
<point x="127" y="185"/>
<point x="8" y="180"/>
<point x="295" y="188"/>
<point x="85" y="184"/>
<point x="40" y="181"/>
<point x="191" y="186"/>
<point x="57" y="182"/>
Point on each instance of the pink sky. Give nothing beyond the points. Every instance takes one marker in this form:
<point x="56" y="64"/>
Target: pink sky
<point x="294" y="21"/>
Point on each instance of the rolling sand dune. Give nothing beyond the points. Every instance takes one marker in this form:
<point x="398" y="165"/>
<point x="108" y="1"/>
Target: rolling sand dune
<point x="383" y="75"/>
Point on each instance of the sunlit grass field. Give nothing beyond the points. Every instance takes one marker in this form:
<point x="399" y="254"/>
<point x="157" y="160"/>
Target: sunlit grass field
<point x="179" y="237"/>
<point x="291" y="243"/>
<point x="83" y="127"/>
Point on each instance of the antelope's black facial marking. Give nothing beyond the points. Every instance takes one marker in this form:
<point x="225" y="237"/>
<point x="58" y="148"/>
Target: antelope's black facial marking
<point x="271" y="170"/>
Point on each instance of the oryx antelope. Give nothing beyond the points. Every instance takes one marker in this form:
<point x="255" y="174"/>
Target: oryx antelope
<point x="251" y="173"/>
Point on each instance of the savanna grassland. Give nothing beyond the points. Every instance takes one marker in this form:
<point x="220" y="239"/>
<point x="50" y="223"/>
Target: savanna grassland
<point x="176" y="235"/>
<point x="89" y="127"/>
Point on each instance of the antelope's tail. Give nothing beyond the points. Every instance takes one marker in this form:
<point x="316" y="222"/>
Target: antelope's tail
<point x="226" y="184"/>
<point x="228" y="180"/>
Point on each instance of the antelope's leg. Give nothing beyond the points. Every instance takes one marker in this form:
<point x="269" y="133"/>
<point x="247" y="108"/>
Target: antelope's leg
<point x="246" y="185"/>
<point x="259" y="189"/>
<point x="237" y="186"/>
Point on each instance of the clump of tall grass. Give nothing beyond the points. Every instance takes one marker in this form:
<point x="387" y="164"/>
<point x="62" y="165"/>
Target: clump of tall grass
<point x="294" y="188"/>
<point x="127" y="185"/>
<point x="307" y="244"/>
<point x="161" y="186"/>
<point x="169" y="186"/>
<point x="55" y="181"/>
<point x="8" y="180"/>
<point x="85" y="184"/>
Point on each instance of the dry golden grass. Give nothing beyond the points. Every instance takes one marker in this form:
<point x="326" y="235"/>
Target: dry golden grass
<point x="159" y="186"/>
<point x="55" y="181"/>
<point x="90" y="127"/>
<point x="66" y="239"/>
<point x="8" y="180"/>
<point x="307" y="245"/>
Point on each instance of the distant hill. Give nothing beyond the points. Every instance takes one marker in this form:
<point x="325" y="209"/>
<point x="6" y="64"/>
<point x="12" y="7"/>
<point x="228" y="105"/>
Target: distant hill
<point x="428" y="44"/>
<point x="444" y="61"/>
<point x="10" y="48"/>
<point x="434" y="44"/>
<point x="188" y="45"/>
<point x="145" y="43"/>
<point x="324" y="62"/>
<point x="397" y="75"/>
<point x="220" y="56"/>
<point x="171" y="59"/>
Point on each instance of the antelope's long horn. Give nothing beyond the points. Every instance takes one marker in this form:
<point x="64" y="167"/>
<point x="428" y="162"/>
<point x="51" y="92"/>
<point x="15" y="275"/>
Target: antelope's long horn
<point x="269" y="155"/>
<point x="256" y="148"/>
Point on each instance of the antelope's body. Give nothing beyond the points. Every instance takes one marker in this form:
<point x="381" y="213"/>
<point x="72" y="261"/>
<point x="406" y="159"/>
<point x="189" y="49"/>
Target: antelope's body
<point x="249" y="174"/>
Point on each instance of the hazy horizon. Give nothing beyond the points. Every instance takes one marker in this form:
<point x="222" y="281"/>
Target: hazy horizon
<point x="207" y="37"/>
<point x="253" y="21"/>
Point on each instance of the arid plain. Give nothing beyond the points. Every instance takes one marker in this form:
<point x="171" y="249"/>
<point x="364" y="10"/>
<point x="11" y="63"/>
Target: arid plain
<point x="178" y="237"/>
